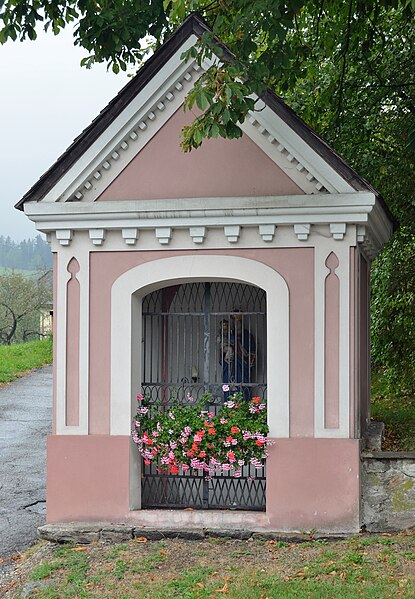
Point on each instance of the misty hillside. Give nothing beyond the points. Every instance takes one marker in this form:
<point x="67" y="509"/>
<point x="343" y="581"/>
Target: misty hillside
<point x="30" y="254"/>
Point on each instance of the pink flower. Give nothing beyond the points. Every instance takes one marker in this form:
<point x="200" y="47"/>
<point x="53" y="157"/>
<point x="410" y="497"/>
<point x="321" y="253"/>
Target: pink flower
<point x="231" y="456"/>
<point x="140" y="397"/>
<point x="225" y="388"/>
<point x="229" y="404"/>
<point x="223" y="421"/>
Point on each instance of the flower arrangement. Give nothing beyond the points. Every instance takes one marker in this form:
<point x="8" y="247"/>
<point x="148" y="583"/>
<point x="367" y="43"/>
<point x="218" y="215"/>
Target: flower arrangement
<point x="191" y="437"/>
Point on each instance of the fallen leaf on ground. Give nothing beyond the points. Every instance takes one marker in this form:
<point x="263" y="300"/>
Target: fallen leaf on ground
<point x="141" y="540"/>
<point x="79" y="549"/>
<point x="223" y="589"/>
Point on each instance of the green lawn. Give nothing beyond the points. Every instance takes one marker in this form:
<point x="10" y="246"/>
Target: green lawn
<point x="19" y="358"/>
<point x="376" y="567"/>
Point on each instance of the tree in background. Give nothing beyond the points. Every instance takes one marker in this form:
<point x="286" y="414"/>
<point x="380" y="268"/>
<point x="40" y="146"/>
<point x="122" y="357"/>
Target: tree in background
<point x="345" y="66"/>
<point x="21" y="300"/>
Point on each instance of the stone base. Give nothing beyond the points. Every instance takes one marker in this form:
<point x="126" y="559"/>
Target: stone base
<point x="89" y="532"/>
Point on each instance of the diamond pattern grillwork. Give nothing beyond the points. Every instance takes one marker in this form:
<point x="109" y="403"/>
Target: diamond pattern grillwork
<point x="187" y="490"/>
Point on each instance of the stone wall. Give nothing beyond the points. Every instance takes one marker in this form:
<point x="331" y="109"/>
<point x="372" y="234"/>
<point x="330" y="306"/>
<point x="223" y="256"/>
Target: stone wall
<point x="388" y="491"/>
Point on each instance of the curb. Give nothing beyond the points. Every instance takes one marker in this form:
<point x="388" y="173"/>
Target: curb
<point x="84" y="533"/>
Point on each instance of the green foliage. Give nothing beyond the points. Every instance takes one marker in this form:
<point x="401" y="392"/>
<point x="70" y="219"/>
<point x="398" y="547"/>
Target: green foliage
<point x="396" y="410"/>
<point x="393" y="313"/>
<point x="21" y="300"/>
<point x="19" y="358"/>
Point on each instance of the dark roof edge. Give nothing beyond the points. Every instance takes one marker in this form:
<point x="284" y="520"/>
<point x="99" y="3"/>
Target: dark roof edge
<point x="193" y="24"/>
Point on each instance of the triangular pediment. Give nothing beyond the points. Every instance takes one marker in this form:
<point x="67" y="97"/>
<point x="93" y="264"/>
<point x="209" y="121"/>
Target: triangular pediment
<point x="220" y="168"/>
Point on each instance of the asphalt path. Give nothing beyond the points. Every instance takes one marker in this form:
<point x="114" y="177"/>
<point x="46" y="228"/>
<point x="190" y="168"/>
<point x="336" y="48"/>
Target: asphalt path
<point x="25" y="420"/>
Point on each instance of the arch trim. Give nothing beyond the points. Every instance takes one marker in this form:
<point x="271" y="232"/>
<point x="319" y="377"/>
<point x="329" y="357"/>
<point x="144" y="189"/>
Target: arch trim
<point x="127" y="293"/>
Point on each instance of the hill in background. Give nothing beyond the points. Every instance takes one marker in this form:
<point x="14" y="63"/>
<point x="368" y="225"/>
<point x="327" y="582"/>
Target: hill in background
<point x="29" y="254"/>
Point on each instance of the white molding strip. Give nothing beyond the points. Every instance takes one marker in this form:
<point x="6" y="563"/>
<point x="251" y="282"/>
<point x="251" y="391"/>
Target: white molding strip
<point x="321" y="252"/>
<point x="82" y="256"/>
<point x="142" y="279"/>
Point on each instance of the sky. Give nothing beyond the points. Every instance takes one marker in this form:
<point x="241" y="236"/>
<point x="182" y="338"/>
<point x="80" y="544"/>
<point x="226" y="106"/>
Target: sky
<point x="46" y="100"/>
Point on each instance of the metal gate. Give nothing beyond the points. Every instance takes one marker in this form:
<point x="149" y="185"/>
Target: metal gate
<point x="196" y="338"/>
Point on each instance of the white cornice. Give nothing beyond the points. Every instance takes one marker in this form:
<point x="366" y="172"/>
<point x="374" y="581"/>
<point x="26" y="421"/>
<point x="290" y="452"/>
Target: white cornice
<point x="200" y="214"/>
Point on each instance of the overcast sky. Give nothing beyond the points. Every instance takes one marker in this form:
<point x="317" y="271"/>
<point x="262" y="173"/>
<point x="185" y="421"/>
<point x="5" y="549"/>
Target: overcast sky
<point x="46" y="100"/>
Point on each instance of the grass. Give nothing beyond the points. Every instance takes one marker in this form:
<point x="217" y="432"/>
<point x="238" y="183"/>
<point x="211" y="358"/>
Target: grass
<point x="358" y="567"/>
<point x="17" y="359"/>
<point x="398" y="414"/>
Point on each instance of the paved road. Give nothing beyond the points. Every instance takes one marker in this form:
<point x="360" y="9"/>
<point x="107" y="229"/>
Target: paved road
<point x="25" y="420"/>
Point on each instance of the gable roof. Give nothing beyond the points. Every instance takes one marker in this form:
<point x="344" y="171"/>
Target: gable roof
<point x="193" y="25"/>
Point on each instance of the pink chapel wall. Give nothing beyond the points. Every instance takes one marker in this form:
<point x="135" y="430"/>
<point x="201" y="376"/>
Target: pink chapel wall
<point x="220" y="168"/>
<point x="352" y="347"/>
<point x="311" y="484"/>
<point x="296" y="265"/>
<point x="364" y="343"/>
<point x="54" y="330"/>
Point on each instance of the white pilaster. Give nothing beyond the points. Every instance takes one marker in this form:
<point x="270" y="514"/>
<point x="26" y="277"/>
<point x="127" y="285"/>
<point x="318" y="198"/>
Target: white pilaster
<point x="342" y="250"/>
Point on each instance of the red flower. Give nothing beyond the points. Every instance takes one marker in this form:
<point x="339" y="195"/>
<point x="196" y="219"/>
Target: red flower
<point x="256" y="399"/>
<point x="229" y="439"/>
<point x="174" y="469"/>
<point x="195" y="447"/>
<point x="201" y="433"/>
<point x="235" y="430"/>
<point x="259" y="442"/>
<point x="202" y="454"/>
<point x="211" y="431"/>
<point x="230" y="455"/>
<point x="190" y="454"/>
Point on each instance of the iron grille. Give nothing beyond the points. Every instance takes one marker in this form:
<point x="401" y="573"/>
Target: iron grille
<point x="196" y="337"/>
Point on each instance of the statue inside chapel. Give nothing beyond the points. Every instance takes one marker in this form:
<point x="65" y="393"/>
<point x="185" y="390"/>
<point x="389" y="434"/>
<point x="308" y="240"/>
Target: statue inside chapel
<point x="237" y="354"/>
